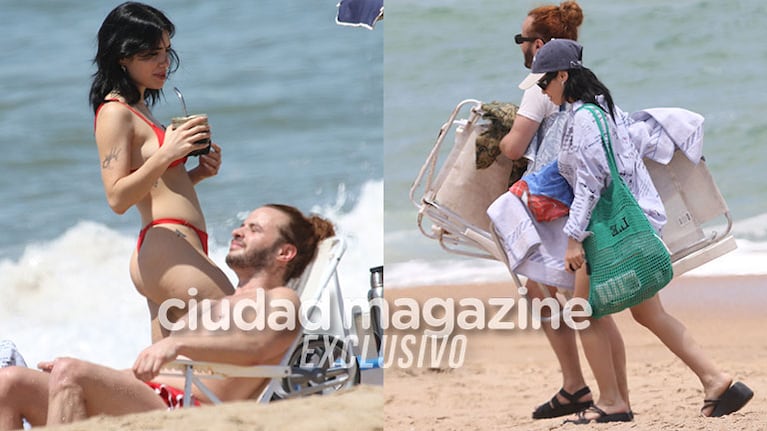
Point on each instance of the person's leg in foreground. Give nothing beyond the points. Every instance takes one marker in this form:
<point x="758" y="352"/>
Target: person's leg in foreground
<point x="721" y="396"/>
<point x="23" y="394"/>
<point x="80" y="389"/>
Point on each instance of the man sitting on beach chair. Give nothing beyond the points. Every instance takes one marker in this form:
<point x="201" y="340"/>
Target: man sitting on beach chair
<point x="274" y="244"/>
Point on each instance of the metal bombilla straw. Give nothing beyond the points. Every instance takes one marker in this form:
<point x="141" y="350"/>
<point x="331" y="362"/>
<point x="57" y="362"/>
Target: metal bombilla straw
<point x="201" y="151"/>
<point x="181" y="98"/>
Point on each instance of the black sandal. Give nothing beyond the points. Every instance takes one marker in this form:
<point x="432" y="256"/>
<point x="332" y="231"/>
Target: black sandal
<point x="555" y="409"/>
<point x="732" y="400"/>
<point x="601" y="418"/>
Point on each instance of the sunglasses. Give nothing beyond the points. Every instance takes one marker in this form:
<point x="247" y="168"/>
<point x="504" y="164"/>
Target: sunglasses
<point x="519" y="39"/>
<point x="546" y="80"/>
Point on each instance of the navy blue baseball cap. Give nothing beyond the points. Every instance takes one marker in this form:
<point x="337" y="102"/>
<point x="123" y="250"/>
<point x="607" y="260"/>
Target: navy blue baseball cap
<point x="555" y="55"/>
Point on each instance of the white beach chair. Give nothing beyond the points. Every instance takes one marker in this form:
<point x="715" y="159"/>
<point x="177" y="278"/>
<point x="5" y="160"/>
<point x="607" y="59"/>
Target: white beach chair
<point x="699" y="224"/>
<point x="317" y="361"/>
<point x="452" y="197"/>
<point x="455" y="195"/>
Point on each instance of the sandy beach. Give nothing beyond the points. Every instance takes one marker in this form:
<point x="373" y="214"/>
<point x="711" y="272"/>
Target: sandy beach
<point x="359" y="408"/>
<point x="506" y="373"/>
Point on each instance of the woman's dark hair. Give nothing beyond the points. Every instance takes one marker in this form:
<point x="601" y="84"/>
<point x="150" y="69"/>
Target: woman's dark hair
<point x="130" y="28"/>
<point x="583" y="85"/>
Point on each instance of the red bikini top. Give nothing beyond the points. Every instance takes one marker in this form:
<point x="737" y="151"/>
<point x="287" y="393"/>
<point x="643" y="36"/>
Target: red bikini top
<point x="158" y="131"/>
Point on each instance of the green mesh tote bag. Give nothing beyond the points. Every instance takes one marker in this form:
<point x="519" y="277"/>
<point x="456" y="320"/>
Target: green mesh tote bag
<point x="627" y="261"/>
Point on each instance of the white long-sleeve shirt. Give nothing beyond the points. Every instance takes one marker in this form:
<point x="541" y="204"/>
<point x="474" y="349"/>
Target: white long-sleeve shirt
<point x="583" y="163"/>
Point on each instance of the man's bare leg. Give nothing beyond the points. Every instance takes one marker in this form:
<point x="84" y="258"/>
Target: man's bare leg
<point x="23" y="393"/>
<point x="565" y="347"/>
<point x="80" y="389"/>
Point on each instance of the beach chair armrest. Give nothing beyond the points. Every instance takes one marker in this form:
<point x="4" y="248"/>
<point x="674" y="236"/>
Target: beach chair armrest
<point x="215" y="370"/>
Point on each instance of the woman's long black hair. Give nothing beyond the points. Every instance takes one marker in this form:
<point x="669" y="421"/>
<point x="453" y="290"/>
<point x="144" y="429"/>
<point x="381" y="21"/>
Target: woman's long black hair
<point x="129" y="29"/>
<point x="583" y="85"/>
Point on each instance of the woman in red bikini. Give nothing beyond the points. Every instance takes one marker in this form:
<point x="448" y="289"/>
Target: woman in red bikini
<point x="143" y="164"/>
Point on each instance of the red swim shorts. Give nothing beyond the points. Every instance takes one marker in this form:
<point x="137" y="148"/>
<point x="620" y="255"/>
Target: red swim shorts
<point x="173" y="397"/>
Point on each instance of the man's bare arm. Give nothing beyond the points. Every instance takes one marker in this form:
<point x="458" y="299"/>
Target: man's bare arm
<point x="239" y="344"/>
<point x="515" y="143"/>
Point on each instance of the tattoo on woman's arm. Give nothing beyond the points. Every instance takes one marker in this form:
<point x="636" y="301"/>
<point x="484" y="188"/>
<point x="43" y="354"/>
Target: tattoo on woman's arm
<point x="113" y="153"/>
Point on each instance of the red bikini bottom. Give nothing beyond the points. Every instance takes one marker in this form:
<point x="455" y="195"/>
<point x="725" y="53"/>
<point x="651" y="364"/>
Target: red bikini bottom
<point x="200" y="233"/>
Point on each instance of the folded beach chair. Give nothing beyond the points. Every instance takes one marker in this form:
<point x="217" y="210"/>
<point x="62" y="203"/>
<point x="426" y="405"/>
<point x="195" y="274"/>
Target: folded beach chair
<point x="452" y="195"/>
<point x="317" y="362"/>
<point x="699" y="223"/>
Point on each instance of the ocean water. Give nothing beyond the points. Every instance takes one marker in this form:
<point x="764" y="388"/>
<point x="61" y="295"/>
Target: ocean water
<point x="294" y="100"/>
<point x="703" y="55"/>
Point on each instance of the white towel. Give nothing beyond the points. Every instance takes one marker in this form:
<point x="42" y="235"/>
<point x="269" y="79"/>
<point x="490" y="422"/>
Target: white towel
<point x="514" y="227"/>
<point x="534" y="250"/>
<point x="659" y="131"/>
<point x="9" y="355"/>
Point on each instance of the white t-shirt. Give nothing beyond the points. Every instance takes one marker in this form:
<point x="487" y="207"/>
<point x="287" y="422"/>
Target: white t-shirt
<point x="535" y="105"/>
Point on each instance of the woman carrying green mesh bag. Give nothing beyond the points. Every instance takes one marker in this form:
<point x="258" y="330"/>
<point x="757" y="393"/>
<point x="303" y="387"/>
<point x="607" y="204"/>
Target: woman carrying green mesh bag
<point x="595" y="122"/>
